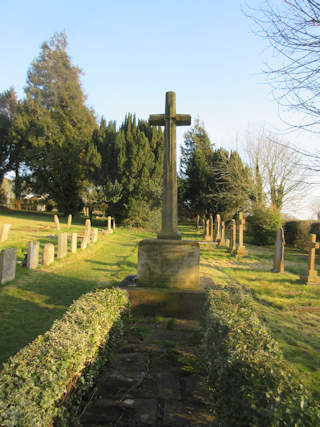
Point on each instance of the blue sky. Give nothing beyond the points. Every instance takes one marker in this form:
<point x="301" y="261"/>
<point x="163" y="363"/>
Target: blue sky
<point x="132" y="52"/>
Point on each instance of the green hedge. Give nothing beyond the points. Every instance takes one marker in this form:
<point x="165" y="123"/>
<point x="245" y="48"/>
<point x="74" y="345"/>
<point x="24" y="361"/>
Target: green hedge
<point x="250" y="384"/>
<point x="263" y="225"/>
<point x="36" y="381"/>
<point x="297" y="233"/>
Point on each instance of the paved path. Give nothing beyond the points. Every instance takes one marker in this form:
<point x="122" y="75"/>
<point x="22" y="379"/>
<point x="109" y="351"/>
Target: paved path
<point x="156" y="379"/>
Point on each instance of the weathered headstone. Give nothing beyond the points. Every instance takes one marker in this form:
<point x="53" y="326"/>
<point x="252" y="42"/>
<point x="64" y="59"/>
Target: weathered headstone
<point x="86" y="238"/>
<point x="241" y="249"/>
<point x="211" y="227"/>
<point x="74" y="242"/>
<point x="33" y="254"/>
<point x="228" y="243"/>
<point x="94" y="235"/>
<point x="217" y="228"/>
<point x="233" y="236"/>
<point x="57" y="222"/>
<point x="8" y="261"/>
<point x="222" y="239"/>
<point x="169" y="262"/>
<point x="113" y="224"/>
<point x="109" y="228"/>
<point x="69" y="220"/>
<point x="48" y="254"/>
<point x="311" y="276"/>
<point x="208" y="234"/>
<point x="4" y="232"/>
<point x="62" y="245"/>
<point x="278" y="261"/>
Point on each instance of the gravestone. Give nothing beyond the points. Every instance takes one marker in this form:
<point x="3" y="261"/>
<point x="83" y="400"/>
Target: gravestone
<point x="211" y="227"/>
<point x="311" y="276"/>
<point x="57" y="222"/>
<point x="33" y="254"/>
<point x="74" y="242"/>
<point x="69" y="220"/>
<point x="4" y="232"/>
<point x="228" y="243"/>
<point x="217" y="228"/>
<point x="208" y="234"/>
<point x="94" y="235"/>
<point x="222" y="239"/>
<point x="86" y="238"/>
<point x="168" y="261"/>
<point x="233" y="237"/>
<point x="48" y="254"/>
<point x="62" y="245"/>
<point x="241" y="249"/>
<point x="109" y="229"/>
<point x="8" y="261"/>
<point x="278" y="261"/>
<point x="113" y="224"/>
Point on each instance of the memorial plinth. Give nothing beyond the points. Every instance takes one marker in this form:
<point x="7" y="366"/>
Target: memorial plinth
<point x="169" y="262"/>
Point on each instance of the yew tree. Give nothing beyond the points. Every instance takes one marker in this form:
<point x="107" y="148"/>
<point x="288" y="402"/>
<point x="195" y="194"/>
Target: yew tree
<point x="59" y="126"/>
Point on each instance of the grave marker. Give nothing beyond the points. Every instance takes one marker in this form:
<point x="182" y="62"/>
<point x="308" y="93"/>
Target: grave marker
<point x="69" y="220"/>
<point x="109" y="229"/>
<point x="48" y="254"/>
<point x="33" y="254"/>
<point x="94" y="235"/>
<point x="211" y="227"/>
<point x="222" y="239"/>
<point x="207" y="229"/>
<point x="4" y="232"/>
<point x="233" y="237"/>
<point x="8" y="261"/>
<point x="74" y="242"/>
<point x="241" y="249"/>
<point x="311" y="276"/>
<point x="57" y="222"/>
<point x="62" y="245"/>
<point x="217" y="228"/>
<point x="278" y="261"/>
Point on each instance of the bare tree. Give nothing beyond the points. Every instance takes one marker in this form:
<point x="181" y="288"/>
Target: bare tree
<point x="292" y="29"/>
<point x="276" y="169"/>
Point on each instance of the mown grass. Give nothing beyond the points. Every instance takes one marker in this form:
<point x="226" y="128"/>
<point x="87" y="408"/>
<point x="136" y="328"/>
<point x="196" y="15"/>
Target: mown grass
<point x="278" y="300"/>
<point x="30" y="304"/>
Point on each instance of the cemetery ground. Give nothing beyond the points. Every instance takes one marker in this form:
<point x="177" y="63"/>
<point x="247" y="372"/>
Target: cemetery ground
<point x="30" y="303"/>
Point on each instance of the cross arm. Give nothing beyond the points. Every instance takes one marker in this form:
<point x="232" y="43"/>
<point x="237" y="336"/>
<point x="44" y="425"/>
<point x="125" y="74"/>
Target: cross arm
<point x="157" y="119"/>
<point x="183" y="120"/>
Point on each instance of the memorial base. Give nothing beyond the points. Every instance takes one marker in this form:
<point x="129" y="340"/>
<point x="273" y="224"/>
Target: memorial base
<point x="311" y="278"/>
<point x="168" y="264"/>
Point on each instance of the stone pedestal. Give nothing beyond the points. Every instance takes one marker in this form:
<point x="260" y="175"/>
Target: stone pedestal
<point x="168" y="263"/>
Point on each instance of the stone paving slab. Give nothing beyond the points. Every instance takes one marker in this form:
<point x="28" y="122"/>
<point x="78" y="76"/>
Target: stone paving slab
<point x="146" y="385"/>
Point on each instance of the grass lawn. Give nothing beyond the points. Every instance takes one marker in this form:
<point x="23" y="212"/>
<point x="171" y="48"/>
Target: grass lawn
<point x="30" y="304"/>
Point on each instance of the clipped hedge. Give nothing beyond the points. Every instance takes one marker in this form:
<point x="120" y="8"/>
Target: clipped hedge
<point x="250" y="384"/>
<point x="35" y="382"/>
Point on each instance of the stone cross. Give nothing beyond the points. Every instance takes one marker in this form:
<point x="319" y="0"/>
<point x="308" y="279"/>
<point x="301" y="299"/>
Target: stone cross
<point x="170" y="120"/>
<point x="217" y="228"/>
<point x="241" y="249"/>
<point x="311" y="276"/>
<point x="278" y="261"/>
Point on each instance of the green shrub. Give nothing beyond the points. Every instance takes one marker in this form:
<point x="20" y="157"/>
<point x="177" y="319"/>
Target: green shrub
<point x="297" y="233"/>
<point x="38" y="378"/>
<point x="140" y="214"/>
<point x="250" y="384"/>
<point x="263" y="225"/>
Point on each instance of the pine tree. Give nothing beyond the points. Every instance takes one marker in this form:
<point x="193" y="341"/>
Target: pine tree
<point x="59" y="127"/>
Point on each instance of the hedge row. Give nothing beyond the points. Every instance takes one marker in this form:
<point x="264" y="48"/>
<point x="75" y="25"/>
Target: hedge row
<point x="250" y="384"/>
<point x="36" y="381"/>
